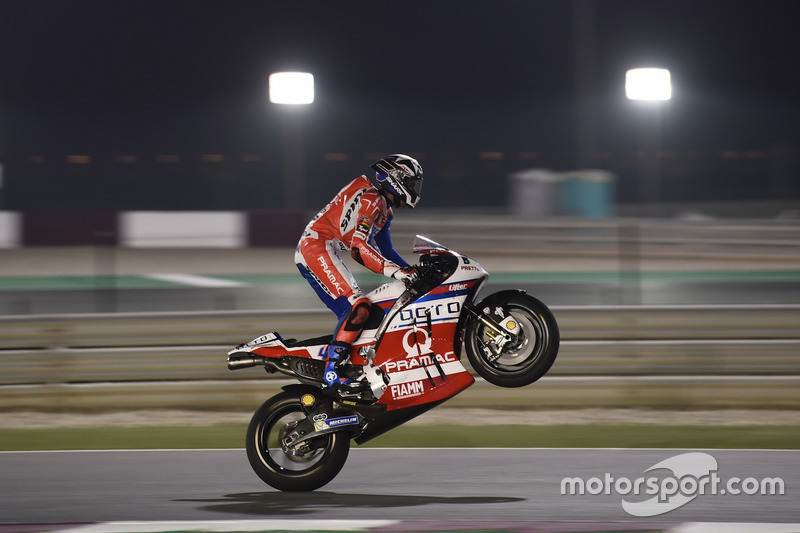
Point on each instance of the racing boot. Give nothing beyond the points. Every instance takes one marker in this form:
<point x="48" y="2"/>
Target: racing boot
<point x="333" y="376"/>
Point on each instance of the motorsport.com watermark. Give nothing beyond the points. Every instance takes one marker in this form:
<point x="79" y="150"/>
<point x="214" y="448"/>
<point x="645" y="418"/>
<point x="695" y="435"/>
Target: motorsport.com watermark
<point x="693" y="474"/>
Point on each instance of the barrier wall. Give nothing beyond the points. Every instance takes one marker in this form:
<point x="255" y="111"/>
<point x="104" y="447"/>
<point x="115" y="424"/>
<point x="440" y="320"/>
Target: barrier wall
<point x="146" y="229"/>
<point x="10" y="233"/>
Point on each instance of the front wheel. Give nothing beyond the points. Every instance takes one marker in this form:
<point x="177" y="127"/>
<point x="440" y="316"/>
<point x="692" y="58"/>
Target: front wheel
<point x="530" y="353"/>
<point x="306" y="467"/>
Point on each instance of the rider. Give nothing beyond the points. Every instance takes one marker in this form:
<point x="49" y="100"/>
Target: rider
<point x="357" y="220"/>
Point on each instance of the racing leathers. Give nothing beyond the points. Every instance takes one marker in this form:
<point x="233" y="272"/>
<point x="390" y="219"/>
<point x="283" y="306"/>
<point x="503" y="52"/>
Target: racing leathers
<point x="357" y="221"/>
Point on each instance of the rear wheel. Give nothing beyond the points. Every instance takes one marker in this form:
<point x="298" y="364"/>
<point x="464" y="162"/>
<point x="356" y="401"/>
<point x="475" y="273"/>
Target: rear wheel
<point x="308" y="466"/>
<point x="531" y="351"/>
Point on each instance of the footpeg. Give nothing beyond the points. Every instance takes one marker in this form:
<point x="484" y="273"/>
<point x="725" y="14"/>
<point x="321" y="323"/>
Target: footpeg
<point x="351" y="389"/>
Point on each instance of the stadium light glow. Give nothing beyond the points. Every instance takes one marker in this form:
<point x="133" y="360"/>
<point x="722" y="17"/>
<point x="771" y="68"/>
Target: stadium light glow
<point x="291" y="88"/>
<point x="648" y="84"/>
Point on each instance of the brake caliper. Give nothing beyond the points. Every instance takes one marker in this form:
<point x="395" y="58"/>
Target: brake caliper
<point x="500" y="336"/>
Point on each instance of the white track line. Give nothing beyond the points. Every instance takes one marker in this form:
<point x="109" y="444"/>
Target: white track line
<point x="195" y="280"/>
<point x="230" y="525"/>
<point x="361" y="525"/>
<point x="731" y="527"/>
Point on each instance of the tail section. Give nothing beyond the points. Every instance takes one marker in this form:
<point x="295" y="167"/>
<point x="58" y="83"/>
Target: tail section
<point x="269" y="351"/>
<point x="305" y="361"/>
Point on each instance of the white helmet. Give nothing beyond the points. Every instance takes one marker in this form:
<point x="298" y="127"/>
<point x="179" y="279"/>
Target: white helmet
<point x="400" y="175"/>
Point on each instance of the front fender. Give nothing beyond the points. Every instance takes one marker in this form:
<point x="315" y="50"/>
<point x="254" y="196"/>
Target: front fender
<point x="494" y="300"/>
<point x="499" y="298"/>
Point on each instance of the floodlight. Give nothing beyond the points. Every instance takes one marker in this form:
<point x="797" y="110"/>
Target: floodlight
<point x="648" y="84"/>
<point x="291" y="88"/>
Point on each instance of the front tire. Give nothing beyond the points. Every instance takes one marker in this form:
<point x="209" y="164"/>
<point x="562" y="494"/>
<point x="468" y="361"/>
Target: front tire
<point x="305" y="468"/>
<point x="529" y="356"/>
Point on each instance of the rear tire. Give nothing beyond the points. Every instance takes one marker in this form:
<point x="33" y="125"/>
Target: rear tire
<point x="292" y="469"/>
<point x="520" y="362"/>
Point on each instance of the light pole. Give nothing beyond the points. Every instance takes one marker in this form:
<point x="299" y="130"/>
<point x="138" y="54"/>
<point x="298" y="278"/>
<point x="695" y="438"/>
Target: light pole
<point x="649" y="87"/>
<point x="292" y="91"/>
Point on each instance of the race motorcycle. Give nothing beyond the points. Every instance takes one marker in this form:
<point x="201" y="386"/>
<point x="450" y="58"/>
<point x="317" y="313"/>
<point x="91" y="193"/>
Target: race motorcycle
<point x="405" y="362"/>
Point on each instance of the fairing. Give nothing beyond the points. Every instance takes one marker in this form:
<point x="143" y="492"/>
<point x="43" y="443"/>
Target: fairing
<point x="418" y="344"/>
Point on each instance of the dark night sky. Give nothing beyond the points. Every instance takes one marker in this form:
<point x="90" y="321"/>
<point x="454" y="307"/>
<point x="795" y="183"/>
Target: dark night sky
<point x="153" y="76"/>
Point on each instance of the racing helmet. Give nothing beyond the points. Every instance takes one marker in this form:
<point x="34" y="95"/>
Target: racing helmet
<point x="400" y="175"/>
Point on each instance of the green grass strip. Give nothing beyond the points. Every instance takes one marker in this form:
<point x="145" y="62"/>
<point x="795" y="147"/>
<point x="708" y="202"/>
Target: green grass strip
<point x="503" y="436"/>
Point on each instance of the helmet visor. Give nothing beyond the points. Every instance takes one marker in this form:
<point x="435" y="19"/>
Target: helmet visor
<point x="414" y="187"/>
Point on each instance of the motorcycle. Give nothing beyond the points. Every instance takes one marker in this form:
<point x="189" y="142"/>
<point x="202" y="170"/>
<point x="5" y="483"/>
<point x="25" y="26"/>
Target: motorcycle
<point x="406" y="361"/>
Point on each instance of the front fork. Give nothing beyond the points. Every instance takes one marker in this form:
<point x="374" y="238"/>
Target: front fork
<point x="501" y="333"/>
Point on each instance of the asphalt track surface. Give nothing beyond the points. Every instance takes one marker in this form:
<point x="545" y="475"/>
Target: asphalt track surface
<point x="494" y="488"/>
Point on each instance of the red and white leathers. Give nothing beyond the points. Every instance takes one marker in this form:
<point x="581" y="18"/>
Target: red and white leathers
<point x="358" y="216"/>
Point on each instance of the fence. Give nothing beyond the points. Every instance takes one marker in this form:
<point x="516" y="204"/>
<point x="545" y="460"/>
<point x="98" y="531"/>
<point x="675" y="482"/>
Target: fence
<point x="656" y="357"/>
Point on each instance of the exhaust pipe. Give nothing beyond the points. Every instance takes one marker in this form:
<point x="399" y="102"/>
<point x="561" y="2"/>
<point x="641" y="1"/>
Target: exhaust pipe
<point x="245" y="362"/>
<point x="239" y="360"/>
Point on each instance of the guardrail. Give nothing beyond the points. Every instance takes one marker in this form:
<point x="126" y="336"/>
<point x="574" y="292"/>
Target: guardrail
<point x="687" y="357"/>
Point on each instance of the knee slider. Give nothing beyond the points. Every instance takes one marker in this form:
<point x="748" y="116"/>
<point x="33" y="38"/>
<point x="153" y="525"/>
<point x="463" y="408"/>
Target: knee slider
<point x="359" y="315"/>
<point x="364" y="314"/>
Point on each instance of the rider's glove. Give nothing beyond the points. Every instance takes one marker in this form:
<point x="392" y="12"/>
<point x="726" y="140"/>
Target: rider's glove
<point x="407" y="275"/>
